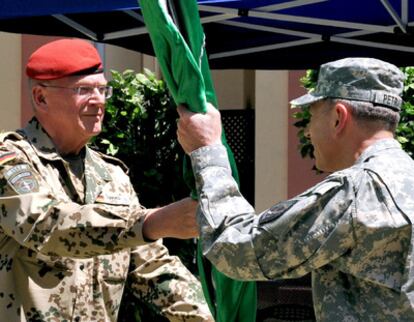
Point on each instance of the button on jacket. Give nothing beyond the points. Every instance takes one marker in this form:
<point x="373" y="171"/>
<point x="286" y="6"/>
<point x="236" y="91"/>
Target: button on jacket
<point x="69" y="244"/>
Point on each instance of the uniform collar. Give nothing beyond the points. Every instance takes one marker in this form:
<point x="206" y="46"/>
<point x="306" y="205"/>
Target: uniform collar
<point x="45" y="149"/>
<point x="96" y="175"/>
<point x="375" y="148"/>
<point x="98" y="165"/>
<point x="40" y="140"/>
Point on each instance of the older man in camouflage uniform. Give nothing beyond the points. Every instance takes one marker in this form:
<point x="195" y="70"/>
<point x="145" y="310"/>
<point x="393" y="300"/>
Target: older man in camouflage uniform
<point x="353" y="230"/>
<point x="72" y="231"/>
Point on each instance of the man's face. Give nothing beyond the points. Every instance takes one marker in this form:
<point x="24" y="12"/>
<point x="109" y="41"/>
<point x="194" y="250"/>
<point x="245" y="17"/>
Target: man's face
<point x="76" y="115"/>
<point x="320" y="132"/>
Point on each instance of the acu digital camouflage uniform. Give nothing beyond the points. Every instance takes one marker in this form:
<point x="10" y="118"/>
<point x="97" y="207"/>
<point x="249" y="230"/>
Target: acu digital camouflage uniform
<point x="353" y="230"/>
<point x="67" y="249"/>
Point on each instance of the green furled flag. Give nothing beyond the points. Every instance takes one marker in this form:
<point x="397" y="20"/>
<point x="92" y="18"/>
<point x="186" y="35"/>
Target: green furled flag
<point x="179" y="44"/>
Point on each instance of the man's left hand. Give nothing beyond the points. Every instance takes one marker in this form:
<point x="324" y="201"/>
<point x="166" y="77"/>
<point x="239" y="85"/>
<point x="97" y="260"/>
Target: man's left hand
<point x="177" y="220"/>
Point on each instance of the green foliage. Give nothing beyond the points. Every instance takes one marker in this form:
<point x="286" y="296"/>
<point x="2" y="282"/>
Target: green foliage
<point x="303" y="115"/>
<point x="140" y="129"/>
<point x="405" y="129"/>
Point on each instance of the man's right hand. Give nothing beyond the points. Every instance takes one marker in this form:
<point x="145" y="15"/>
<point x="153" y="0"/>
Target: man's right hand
<point x="196" y="130"/>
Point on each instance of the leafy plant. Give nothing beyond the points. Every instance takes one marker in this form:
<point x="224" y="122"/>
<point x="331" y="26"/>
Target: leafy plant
<point x="303" y="115"/>
<point x="140" y="129"/>
<point x="404" y="131"/>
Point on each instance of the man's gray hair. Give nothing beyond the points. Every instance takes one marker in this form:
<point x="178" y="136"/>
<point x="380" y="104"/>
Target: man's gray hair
<point x="371" y="115"/>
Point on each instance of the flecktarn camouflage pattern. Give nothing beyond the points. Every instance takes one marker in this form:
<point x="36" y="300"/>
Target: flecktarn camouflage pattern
<point x="353" y="231"/>
<point x="69" y="243"/>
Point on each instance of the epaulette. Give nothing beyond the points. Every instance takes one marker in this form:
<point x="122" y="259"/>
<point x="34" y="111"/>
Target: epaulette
<point x="14" y="136"/>
<point x="113" y="160"/>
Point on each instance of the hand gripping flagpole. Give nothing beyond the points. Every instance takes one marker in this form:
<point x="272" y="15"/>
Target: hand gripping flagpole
<point x="179" y="44"/>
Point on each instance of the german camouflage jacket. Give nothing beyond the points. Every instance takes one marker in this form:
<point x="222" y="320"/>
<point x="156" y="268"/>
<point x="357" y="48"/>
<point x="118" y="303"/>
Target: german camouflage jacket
<point x="68" y="249"/>
<point x="353" y="231"/>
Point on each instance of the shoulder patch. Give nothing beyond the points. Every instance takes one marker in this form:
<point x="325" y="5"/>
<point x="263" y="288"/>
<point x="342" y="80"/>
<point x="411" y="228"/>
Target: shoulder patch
<point x="22" y="179"/>
<point x="276" y="211"/>
<point x="6" y="156"/>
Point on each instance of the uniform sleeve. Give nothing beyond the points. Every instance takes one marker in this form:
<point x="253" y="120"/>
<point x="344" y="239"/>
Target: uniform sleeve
<point x="164" y="282"/>
<point x="40" y="220"/>
<point x="288" y="240"/>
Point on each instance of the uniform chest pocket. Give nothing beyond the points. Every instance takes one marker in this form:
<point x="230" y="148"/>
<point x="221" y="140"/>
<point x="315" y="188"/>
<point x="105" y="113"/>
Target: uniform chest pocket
<point x="116" y="202"/>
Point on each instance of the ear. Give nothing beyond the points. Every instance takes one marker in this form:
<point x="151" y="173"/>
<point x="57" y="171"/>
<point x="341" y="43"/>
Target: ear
<point x="341" y="117"/>
<point x="39" y="97"/>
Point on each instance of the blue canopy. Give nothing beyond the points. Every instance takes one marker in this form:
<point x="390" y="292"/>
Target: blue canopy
<point x="257" y="34"/>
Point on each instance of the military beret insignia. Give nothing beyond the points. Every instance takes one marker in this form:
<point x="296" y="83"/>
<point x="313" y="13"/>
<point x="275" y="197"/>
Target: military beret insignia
<point x="22" y="179"/>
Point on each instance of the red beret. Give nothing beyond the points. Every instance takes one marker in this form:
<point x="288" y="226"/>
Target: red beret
<point x="64" y="57"/>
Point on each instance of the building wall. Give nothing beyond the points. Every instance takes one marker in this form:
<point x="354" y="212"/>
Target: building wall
<point x="234" y="88"/>
<point x="300" y="175"/>
<point x="271" y="138"/>
<point x="121" y="59"/>
<point x="29" y="44"/>
<point x="10" y="68"/>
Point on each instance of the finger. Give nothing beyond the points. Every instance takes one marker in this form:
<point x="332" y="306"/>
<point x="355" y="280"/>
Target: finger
<point x="211" y="110"/>
<point x="178" y="135"/>
<point x="182" y="110"/>
<point x="210" y="107"/>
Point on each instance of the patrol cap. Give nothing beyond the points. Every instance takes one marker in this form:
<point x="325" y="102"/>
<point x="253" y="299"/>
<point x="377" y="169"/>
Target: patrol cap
<point x="362" y="79"/>
<point x="64" y="57"/>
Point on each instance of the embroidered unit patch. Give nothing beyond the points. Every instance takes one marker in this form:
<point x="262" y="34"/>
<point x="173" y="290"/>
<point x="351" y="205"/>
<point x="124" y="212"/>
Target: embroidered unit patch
<point x="22" y="179"/>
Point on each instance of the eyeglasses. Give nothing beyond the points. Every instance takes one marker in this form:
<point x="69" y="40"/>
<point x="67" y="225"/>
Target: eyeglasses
<point x="86" y="91"/>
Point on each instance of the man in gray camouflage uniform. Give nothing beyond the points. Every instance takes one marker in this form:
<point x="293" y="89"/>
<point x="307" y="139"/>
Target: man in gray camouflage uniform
<point x="72" y="231"/>
<point x="353" y="230"/>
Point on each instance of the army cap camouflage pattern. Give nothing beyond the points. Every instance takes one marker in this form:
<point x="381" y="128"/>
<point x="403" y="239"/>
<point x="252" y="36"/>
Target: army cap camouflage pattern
<point x="362" y="79"/>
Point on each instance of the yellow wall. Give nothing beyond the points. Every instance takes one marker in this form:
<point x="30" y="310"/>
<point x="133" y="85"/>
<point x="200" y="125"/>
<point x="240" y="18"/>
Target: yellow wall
<point x="120" y="59"/>
<point x="234" y="88"/>
<point x="10" y="81"/>
<point x="271" y="138"/>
